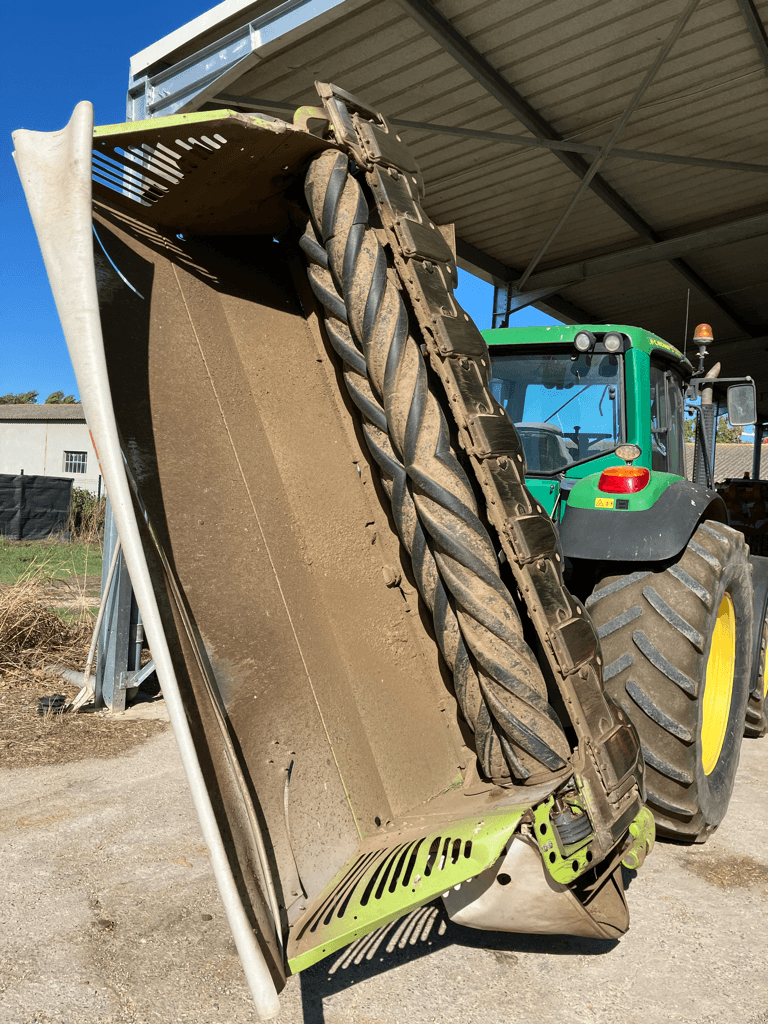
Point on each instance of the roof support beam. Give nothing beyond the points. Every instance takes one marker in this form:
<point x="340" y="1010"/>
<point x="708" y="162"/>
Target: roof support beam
<point x="508" y="300"/>
<point x="756" y="29"/>
<point x="618" y="128"/>
<point x="454" y="43"/>
<point x="426" y="15"/>
<point x="567" y="146"/>
<point x="643" y="255"/>
<point x="477" y="262"/>
<point x="524" y="141"/>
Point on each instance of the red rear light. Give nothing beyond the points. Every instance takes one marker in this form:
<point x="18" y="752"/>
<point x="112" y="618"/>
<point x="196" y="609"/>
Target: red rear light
<point x="623" y="479"/>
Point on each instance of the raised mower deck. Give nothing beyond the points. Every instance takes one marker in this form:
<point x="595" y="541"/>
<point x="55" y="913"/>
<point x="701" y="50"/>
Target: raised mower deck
<point x="328" y="760"/>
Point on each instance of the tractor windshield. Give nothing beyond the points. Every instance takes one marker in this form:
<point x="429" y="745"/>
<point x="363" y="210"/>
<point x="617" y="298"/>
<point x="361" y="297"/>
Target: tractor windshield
<point x="567" y="406"/>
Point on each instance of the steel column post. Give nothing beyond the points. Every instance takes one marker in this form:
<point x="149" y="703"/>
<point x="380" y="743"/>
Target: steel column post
<point x="759" y="430"/>
<point x="115" y="650"/>
<point x="702" y="458"/>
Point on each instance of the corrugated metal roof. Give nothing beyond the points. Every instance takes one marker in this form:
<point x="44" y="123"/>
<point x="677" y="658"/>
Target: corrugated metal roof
<point x="72" y="412"/>
<point x="577" y="66"/>
<point x="732" y="461"/>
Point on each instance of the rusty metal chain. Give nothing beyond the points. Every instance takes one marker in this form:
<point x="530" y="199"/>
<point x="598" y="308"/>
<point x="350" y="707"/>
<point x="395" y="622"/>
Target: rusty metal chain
<point x="608" y="761"/>
<point x="499" y="686"/>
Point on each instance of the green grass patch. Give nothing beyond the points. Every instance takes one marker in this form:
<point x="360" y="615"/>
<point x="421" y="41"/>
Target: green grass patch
<point x="48" y="559"/>
<point x="70" y="618"/>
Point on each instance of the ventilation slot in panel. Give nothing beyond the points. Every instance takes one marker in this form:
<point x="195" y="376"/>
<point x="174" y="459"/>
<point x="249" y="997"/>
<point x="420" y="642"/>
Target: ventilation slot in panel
<point x="406" y="871"/>
<point x="146" y="173"/>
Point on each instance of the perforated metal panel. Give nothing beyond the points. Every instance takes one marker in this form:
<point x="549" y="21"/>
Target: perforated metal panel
<point x="216" y="172"/>
<point x="393" y="874"/>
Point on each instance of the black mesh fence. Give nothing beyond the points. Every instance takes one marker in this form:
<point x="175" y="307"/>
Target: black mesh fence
<point x="33" y="507"/>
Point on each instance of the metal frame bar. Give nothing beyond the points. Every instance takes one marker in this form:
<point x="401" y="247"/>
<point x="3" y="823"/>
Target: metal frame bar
<point x="121" y="632"/>
<point x="500" y="275"/>
<point x="172" y="89"/>
<point x="758" y="451"/>
<point x="703" y="454"/>
<point x="755" y="28"/>
<point x="571" y="146"/>
<point x="515" y="300"/>
<point x="553" y="303"/>
<point x="518" y="141"/>
<point x="618" y="128"/>
<point x="436" y="25"/>
<point x="643" y="255"/>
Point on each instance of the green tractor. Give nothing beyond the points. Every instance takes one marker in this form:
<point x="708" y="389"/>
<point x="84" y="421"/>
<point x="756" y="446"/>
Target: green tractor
<point x="678" y="602"/>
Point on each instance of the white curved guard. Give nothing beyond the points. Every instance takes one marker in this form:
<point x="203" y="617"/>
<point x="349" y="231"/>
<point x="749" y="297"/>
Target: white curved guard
<point x="55" y="171"/>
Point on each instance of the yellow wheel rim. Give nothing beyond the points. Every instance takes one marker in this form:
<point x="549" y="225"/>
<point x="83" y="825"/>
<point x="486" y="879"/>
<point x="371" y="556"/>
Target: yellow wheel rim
<point x="718" y="686"/>
<point x="765" y="660"/>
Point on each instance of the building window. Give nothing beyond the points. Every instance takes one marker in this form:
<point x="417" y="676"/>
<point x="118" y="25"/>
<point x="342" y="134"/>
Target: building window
<point x="75" y="462"/>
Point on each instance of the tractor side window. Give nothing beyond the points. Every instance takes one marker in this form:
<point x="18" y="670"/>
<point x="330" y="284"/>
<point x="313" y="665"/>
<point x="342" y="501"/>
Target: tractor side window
<point x="667" y="411"/>
<point x="659" y="419"/>
<point x="676" y="416"/>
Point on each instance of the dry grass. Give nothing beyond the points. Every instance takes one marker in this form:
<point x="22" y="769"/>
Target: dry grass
<point x="32" y="633"/>
<point x="28" y="739"/>
<point x="33" y="636"/>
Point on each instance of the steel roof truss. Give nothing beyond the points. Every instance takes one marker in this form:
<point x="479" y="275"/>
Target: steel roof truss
<point x="566" y="146"/>
<point x="619" y="127"/>
<point x="430" y="19"/>
<point x="487" y="267"/>
<point x="755" y="28"/>
<point x="737" y="230"/>
<point x="507" y="300"/>
<point x="523" y="141"/>
<point x="181" y="87"/>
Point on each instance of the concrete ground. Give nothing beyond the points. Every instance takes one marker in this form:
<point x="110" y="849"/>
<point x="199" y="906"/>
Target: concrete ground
<point x="109" y="915"/>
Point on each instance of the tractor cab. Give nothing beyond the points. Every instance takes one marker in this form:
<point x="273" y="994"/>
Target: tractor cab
<point x="568" y="404"/>
<point x="588" y="398"/>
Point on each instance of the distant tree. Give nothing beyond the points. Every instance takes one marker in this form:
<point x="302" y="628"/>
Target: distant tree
<point x="23" y="398"/>
<point x="726" y="434"/>
<point x="59" y="398"/>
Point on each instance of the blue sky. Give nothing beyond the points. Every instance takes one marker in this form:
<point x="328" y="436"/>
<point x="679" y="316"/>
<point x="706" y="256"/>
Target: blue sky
<point x="61" y="54"/>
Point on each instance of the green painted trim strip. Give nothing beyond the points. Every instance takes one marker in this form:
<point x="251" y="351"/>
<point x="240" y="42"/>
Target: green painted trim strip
<point x="564" y="334"/>
<point x="637" y="389"/>
<point x="488" y="836"/>
<point x="155" y="123"/>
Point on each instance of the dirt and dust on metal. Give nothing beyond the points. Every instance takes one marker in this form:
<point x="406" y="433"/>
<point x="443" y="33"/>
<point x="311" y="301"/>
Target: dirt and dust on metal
<point x="373" y="707"/>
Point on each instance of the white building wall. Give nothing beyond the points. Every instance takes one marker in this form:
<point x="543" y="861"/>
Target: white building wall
<point x="38" y="449"/>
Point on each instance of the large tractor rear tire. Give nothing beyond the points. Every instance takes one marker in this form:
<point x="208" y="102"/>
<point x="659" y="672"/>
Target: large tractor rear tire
<point x="677" y="649"/>
<point x="757" y="707"/>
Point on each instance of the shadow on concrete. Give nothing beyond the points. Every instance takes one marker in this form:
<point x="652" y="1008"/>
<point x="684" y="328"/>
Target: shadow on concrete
<point x="421" y="933"/>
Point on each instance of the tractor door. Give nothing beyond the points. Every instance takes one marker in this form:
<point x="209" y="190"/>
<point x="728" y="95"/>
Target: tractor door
<point x="667" y="416"/>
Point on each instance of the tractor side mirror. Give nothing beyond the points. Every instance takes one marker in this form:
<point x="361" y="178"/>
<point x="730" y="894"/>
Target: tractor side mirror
<point x="742" y="406"/>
